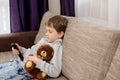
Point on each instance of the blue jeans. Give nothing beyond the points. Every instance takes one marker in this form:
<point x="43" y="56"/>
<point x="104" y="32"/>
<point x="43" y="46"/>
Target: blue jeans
<point x="13" y="71"/>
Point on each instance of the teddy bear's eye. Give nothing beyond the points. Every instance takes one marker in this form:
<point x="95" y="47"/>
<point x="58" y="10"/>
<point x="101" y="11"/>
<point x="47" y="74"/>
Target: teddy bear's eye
<point x="43" y="53"/>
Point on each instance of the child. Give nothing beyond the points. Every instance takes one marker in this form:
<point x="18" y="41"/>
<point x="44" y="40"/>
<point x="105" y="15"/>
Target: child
<point x="55" y="29"/>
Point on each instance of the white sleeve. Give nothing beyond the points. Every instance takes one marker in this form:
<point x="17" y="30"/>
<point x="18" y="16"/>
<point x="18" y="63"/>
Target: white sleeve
<point x="52" y="69"/>
<point x="33" y="48"/>
<point x="24" y="50"/>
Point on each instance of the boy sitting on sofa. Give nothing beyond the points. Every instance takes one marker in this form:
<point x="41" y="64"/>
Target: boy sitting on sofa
<point x="55" y="30"/>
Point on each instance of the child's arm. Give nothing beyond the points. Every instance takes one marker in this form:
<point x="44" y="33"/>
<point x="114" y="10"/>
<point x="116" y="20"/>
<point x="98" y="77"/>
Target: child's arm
<point x="32" y="50"/>
<point x="16" y="47"/>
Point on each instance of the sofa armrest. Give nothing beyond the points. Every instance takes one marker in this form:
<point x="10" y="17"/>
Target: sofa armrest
<point x="25" y="39"/>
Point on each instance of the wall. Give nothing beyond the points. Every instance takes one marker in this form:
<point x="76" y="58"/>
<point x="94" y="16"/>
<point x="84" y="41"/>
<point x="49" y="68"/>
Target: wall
<point x="54" y="6"/>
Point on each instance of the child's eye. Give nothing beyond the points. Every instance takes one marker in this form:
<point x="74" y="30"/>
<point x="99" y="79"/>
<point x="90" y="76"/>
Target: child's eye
<point x="50" y="31"/>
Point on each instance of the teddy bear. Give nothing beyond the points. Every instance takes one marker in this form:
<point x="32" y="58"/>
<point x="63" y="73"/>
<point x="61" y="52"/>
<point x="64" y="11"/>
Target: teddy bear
<point x="44" y="52"/>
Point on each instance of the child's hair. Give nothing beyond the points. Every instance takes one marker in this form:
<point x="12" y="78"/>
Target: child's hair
<point x="58" y="22"/>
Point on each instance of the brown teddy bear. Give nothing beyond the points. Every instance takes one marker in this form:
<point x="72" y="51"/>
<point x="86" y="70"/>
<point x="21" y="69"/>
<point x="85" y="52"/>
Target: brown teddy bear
<point x="44" y="52"/>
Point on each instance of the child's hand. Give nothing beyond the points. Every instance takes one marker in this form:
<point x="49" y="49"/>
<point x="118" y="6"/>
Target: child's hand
<point x="33" y="58"/>
<point x="19" y="47"/>
<point x="15" y="51"/>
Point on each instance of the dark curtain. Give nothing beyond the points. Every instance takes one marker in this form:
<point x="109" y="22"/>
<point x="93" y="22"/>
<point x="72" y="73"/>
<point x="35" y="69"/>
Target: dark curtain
<point x="67" y="7"/>
<point x="25" y="15"/>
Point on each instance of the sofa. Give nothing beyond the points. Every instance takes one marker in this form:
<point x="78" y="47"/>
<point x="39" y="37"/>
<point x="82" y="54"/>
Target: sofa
<point x="91" y="51"/>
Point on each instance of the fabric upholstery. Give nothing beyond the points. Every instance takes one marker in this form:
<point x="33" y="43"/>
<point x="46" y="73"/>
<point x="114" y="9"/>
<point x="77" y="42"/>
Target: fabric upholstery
<point x="41" y="32"/>
<point x="88" y="50"/>
<point x="114" y="70"/>
<point x="6" y="56"/>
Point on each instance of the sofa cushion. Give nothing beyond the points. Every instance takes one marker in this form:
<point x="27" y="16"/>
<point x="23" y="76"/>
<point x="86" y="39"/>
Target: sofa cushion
<point x="114" y="70"/>
<point x="88" y="50"/>
<point x="6" y="56"/>
<point x="41" y="32"/>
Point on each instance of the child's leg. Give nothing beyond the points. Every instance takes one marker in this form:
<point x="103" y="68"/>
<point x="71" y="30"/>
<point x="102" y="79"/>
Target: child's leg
<point x="5" y="64"/>
<point x="8" y="69"/>
<point x="13" y="71"/>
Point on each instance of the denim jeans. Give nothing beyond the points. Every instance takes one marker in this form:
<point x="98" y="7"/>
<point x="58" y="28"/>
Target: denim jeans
<point x="13" y="71"/>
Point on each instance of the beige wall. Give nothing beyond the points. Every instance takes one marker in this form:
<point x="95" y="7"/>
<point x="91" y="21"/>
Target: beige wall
<point x="54" y="6"/>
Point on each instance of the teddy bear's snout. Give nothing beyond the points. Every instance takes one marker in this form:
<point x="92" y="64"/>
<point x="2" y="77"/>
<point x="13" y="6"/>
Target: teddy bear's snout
<point x="43" y="53"/>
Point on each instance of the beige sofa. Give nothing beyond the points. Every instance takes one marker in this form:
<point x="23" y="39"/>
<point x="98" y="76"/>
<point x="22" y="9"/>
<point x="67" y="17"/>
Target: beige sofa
<point x="91" y="52"/>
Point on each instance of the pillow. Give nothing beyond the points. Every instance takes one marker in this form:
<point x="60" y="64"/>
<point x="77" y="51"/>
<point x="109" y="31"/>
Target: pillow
<point x="114" y="70"/>
<point x="88" y="50"/>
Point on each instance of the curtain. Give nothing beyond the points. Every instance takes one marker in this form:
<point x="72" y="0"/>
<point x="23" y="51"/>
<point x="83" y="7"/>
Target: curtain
<point x="25" y="15"/>
<point x="67" y="7"/>
<point x="4" y="17"/>
<point x="114" y="13"/>
<point x="107" y="10"/>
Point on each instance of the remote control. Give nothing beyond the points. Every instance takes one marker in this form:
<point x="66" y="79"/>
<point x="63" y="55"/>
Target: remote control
<point x="15" y="47"/>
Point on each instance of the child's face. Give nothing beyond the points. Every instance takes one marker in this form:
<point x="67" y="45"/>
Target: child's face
<point x="52" y="34"/>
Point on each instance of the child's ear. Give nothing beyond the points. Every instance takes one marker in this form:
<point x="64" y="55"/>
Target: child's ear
<point x="61" y="34"/>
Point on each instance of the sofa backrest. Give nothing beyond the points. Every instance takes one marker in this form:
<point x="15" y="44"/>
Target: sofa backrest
<point x="114" y="70"/>
<point x="42" y="30"/>
<point x="88" y="48"/>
